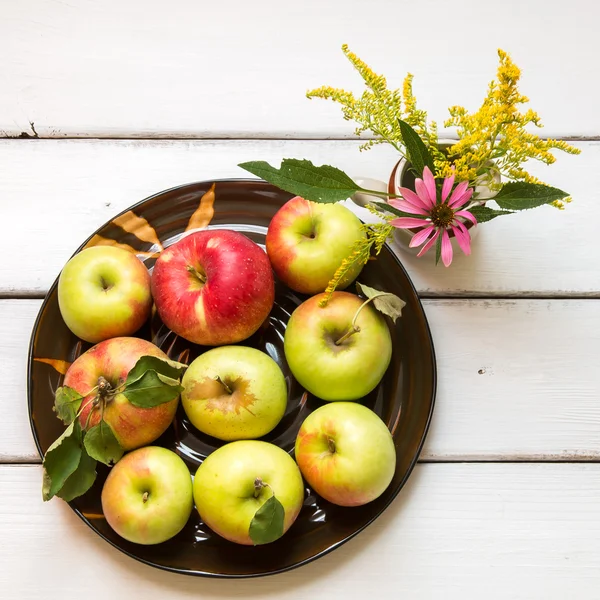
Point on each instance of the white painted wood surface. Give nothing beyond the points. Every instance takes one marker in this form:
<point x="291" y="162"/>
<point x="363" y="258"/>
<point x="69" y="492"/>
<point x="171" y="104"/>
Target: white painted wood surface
<point x="515" y="381"/>
<point x="500" y="531"/>
<point x="238" y="69"/>
<point x="54" y="194"/>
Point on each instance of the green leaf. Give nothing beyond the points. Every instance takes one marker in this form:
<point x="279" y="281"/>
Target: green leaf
<point x="416" y="150"/>
<point x="483" y="214"/>
<point x="61" y="460"/>
<point x="396" y="211"/>
<point x="319" y="184"/>
<point x="438" y="249"/>
<point x="169" y="368"/>
<point x="385" y="302"/>
<point x="519" y="195"/>
<point x="102" y="445"/>
<point x="81" y="480"/>
<point x="67" y="402"/>
<point x="267" y="524"/>
<point x="152" y="389"/>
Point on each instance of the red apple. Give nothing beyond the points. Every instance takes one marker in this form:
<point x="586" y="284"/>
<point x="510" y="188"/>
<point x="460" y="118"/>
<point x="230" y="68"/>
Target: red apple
<point x="213" y="287"/>
<point x="113" y="359"/>
<point x="307" y="241"/>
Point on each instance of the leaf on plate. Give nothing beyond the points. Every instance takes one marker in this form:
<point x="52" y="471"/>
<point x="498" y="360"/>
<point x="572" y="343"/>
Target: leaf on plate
<point x="61" y="460"/>
<point x="169" y="368"/>
<point x="385" y="302"/>
<point x="67" y="402"/>
<point x="152" y="389"/>
<point x="267" y="524"/>
<point x="81" y="480"/>
<point x="102" y="445"/>
<point x="317" y="183"/>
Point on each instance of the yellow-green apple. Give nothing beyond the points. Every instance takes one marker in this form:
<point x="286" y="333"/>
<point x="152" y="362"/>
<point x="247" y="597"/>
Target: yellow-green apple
<point x="234" y="482"/>
<point x="104" y="292"/>
<point x="307" y="241"/>
<point x="109" y="362"/>
<point x="234" y="392"/>
<point x="346" y="453"/>
<point x="213" y="287"/>
<point x="330" y="357"/>
<point x="147" y="496"/>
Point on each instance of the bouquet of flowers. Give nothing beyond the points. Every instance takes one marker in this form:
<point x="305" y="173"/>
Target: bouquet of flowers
<point x="448" y="189"/>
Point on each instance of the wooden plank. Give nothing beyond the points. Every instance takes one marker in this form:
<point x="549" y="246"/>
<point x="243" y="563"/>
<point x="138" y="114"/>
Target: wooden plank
<point x="238" y="69"/>
<point x="517" y="380"/>
<point x="517" y="531"/>
<point x="56" y="193"/>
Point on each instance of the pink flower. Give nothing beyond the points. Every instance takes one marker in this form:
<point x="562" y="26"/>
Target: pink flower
<point x="434" y="215"/>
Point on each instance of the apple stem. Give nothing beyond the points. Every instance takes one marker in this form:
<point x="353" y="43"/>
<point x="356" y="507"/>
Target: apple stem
<point x="259" y="484"/>
<point x="331" y="445"/>
<point x="201" y="277"/>
<point x="355" y="328"/>
<point x="227" y="388"/>
<point x="145" y="497"/>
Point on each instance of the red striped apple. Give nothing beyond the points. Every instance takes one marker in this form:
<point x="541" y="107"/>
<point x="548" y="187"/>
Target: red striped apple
<point x="346" y="453"/>
<point x="213" y="287"/>
<point x="147" y="497"/>
<point x="307" y="241"/>
<point x="328" y="356"/>
<point x="104" y="292"/>
<point x="111" y="361"/>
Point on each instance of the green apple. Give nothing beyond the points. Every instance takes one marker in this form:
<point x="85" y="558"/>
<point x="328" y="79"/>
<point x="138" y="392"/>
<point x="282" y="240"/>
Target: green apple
<point x="327" y="356"/>
<point x="307" y="241"/>
<point x="234" y="392"/>
<point x="237" y="479"/>
<point x="104" y="292"/>
<point x="346" y="453"/>
<point x="147" y="497"/>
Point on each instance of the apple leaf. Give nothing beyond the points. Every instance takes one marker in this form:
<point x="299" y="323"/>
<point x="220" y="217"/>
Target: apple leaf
<point x="152" y="389"/>
<point x="67" y="402"/>
<point x="102" y="445"/>
<point x="323" y="183"/>
<point x="385" y="302"/>
<point x="267" y="524"/>
<point x="61" y="460"/>
<point x="169" y="368"/>
<point x="81" y="480"/>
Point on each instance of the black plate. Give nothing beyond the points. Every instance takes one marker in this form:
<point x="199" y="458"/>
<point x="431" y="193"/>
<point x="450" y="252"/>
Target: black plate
<point x="404" y="399"/>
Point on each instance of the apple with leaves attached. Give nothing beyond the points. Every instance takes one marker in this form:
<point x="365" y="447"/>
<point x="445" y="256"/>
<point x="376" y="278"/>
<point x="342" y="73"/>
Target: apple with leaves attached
<point x="249" y="492"/>
<point x="104" y="292"/>
<point x="338" y="348"/>
<point x="147" y="497"/>
<point x="119" y="395"/>
<point x="307" y="242"/>
<point x="234" y="392"/>
<point x="213" y="287"/>
<point x="346" y="453"/>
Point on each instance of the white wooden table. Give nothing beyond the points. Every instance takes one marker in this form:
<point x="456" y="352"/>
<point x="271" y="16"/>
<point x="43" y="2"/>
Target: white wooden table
<point x="129" y="97"/>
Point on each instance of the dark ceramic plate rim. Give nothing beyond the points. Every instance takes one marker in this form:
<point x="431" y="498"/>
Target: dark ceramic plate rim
<point x="395" y="493"/>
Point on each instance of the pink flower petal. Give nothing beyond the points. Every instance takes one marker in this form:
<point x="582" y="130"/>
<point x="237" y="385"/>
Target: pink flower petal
<point x="409" y="223"/>
<point x="423" y="193"/>
<point x="421" y="236"/>
<point x="407" y="207"/>
<point x="462" y="200"/>
<point x="447" y="187"/>
<point x="446" y="248"/>
<point x="412" y="198"/>
<point x="465" y="214"/>
<point x="430" y="243"/>
<point x="463" y="239"/>
<point x="459" y="190"/>
<point x="429" y="181"/>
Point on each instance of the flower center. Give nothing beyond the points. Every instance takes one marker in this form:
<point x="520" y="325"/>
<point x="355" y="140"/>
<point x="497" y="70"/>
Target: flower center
<point x="442" y="215"/>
